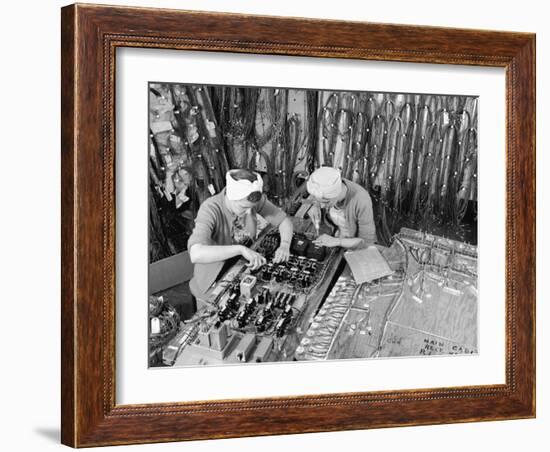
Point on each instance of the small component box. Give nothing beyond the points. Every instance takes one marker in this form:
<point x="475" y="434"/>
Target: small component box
<point x="316" y="252"/>
<point x="299" y="245"/>
<point x="247" y="285"/>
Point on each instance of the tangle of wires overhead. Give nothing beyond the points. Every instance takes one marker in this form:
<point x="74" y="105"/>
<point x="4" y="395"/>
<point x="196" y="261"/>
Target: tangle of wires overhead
<point x="415" y="154"/>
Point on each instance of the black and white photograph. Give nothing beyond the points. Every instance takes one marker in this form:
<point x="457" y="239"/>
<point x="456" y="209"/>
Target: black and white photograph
<point x="275" y="226"/>
<point x="300" y="224"/>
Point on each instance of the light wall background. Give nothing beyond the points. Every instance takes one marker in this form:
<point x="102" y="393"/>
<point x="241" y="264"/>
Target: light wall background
<point x="30" y="225"/>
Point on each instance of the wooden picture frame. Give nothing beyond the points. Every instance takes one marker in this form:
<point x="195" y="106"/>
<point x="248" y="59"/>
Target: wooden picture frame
<point x="90" y="36"/>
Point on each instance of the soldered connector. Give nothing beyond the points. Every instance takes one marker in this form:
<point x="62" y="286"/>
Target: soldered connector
<point x="282" y="325"/>
<point x="242" y="318"/>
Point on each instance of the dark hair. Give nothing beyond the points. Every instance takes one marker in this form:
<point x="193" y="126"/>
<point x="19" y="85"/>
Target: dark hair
<point x="255" y="196"/>
<point x="240" y="174"/>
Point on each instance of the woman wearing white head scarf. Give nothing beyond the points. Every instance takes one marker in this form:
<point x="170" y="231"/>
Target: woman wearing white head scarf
<point x="348" y="206"/>
<point x="226" y="225"/>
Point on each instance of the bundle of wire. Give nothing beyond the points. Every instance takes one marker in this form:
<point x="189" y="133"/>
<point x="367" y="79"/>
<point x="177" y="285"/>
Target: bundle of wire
<point x="415" y="154"/>
<point x="168" y="321"/>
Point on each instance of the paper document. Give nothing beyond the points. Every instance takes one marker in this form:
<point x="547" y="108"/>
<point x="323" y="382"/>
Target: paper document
<point x="367" y="264"/>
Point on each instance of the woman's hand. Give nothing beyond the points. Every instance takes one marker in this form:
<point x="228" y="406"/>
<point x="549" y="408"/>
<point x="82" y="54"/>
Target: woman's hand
<point x="282" y="254"/>
<point x="255" y="260"/>
<point x="327" y="240"/>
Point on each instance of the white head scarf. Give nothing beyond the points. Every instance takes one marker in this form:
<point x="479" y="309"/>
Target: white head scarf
<point x="325" y="182"/>
<point x="240" y="189"/>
